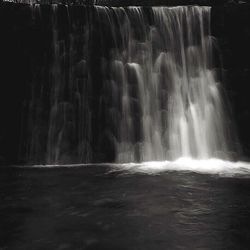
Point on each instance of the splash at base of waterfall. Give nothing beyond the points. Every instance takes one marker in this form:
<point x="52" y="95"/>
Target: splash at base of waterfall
<point x="212" y="166"/>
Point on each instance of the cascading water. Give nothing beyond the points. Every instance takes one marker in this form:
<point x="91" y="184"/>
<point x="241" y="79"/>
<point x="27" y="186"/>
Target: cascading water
<point x="146" y="88"/>
<point x="170" y="101"/>
<point x="59" y="113"/>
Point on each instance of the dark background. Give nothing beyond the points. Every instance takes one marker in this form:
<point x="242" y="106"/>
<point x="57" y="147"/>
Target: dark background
<point x="25" y="42"/>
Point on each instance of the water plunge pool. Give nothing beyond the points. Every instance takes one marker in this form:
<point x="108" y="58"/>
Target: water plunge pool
<point x="124" y="207"/>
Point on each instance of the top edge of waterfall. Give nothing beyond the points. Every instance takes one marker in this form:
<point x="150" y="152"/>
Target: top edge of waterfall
<point x="119" y="3"/>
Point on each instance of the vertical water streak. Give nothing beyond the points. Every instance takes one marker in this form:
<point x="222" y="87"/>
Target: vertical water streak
<point x="160" y="63"/>
<point x="126" y="85"/>
<point x="70" y="118"/>
<point x="196" y="117"/>
<point x="60" y="116"/>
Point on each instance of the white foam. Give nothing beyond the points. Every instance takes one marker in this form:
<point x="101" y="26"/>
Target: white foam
<point x="208" y="166"/>
<point x="211" y="166"/>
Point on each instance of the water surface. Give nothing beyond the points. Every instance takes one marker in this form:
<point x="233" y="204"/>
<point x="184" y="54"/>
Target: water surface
<point x="98" y="207"/>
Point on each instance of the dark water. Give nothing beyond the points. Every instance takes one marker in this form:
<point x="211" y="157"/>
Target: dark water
<point x="91" y="208"/>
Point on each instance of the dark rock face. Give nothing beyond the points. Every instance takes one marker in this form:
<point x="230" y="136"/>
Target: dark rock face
<point x="16" y="31"/>
<point x="23" y="52"/>
<point x="230" y="25"/>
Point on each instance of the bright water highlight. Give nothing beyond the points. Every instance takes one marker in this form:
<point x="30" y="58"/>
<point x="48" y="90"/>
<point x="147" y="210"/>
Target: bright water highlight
<point x="211" y="166"/>
<point x="129" y="84"/>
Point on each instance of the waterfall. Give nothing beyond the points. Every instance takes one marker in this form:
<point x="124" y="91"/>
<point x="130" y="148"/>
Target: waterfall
<point x="130" y="84"/>
<point x="59" y="110"/>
